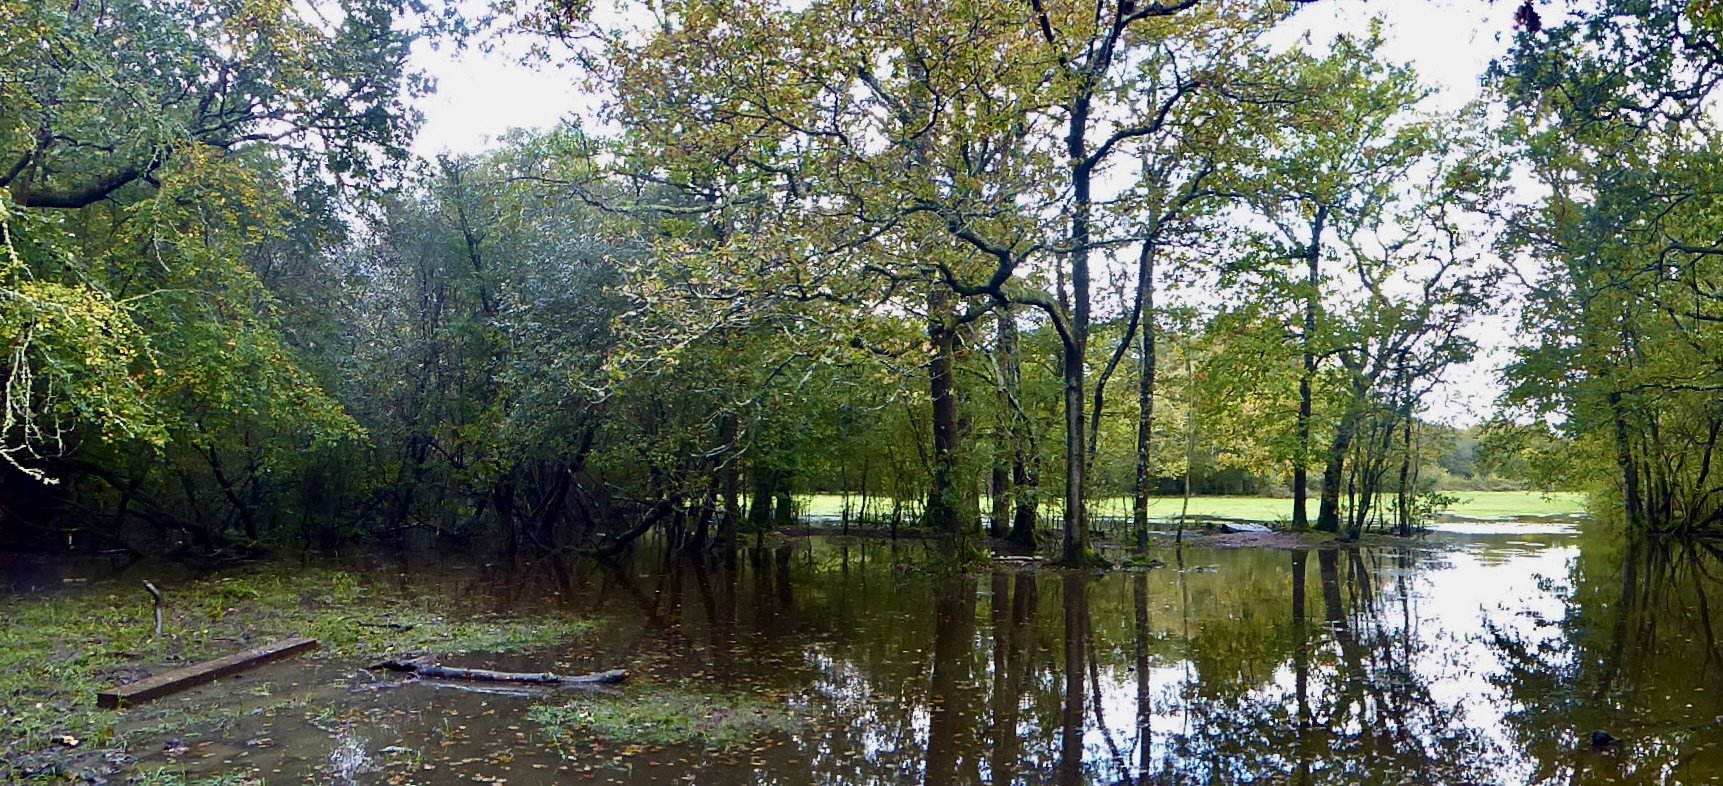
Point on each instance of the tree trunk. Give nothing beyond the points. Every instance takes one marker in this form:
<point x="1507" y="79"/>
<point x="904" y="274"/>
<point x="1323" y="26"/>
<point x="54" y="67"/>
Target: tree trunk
<point x="1312" y="301"/>
<point x="760" y="507"/>
<point x="999" y="494"/>
<point x="703" y="515"/>
<point x="1077" y="551"/>
<point x="729" y="484"/>
<point x="1333" y="474"/>
<point x="1145" y="399"/>
<point x="1633" y="505"/>
<point x="1406" y="460"/>
<point x="946" y="512"/>
<point x="1024" y="478"/>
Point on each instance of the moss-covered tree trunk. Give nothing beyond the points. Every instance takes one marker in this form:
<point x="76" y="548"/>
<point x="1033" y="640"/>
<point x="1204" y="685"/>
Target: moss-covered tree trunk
<point x="947" y="513"/>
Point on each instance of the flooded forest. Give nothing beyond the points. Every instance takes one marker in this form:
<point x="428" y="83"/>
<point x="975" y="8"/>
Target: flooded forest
<point x="860" y="392"/>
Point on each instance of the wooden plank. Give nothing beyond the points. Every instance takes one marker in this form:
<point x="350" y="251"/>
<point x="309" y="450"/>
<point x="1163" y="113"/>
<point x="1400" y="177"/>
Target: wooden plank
<point x="208" y="671"/>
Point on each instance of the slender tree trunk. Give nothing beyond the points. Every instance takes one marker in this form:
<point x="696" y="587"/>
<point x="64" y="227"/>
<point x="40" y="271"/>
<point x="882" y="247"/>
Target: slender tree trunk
<point x="1145" y="397"/>
<point x="760" y="507"/>
<point x="1190" y="438"/>
<point x="1076" y="550"/>
<point x="1074" y="364"/>
<point x="240" y="508"/>
<point x="503" y="502"/>
<point x="1406" y="460"/>
<point x="704" y="512"/>
<point x="1024" y="478"/>
<point x="1312" y="302"/>
<point x="964" y="473"/>
<point x="999" y="484"/>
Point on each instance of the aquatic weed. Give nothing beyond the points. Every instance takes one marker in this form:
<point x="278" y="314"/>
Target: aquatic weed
<point x="662" y="716"/>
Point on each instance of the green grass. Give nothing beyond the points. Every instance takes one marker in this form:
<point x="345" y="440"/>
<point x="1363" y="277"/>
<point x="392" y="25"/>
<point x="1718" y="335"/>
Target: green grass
<point x="1472" y="505"/>
<point x="1516" y="504"/>
<point x="57" y="652"/>
<point x="660" y="716"/>
<point x="166" y="776"/>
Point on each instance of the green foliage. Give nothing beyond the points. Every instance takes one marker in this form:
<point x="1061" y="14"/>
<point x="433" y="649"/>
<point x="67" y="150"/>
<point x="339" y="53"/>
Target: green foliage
<point x="1621" y="325"/>
<point x="224" y="336"/>
<point x="73" y="357"/>
<point x="149" y="153"/>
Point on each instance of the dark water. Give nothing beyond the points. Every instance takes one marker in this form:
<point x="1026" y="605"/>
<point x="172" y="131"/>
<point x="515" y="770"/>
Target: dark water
<point x="1479" y="658"/>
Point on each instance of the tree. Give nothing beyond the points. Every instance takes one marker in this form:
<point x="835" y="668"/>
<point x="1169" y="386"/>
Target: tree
<point x="147" y="152"/>
<point x="1359" y="185"/>
<point x="1608" y="116"/>
<point x="949" y="148"/>
<point x="109" y="94"/>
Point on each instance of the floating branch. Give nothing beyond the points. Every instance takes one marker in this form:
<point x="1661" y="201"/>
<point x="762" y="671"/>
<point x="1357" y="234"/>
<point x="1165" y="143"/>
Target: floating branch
<point x="427" y="668"/>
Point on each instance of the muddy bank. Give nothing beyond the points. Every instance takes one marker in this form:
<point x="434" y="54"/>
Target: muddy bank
<point x="63" y="642"/>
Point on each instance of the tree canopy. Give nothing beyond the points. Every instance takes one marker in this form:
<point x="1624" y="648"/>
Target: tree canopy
<point x="904" y="254"/>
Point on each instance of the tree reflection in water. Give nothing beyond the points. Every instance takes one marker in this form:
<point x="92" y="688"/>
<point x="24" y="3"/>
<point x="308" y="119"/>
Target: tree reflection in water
<point x="1633" y="652"/>
<point x="1373" y="666"/>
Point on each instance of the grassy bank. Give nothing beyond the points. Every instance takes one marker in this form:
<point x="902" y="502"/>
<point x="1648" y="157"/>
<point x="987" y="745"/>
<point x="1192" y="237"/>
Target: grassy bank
<point x="1471" y="505"/>
<point x="57" y="652"/>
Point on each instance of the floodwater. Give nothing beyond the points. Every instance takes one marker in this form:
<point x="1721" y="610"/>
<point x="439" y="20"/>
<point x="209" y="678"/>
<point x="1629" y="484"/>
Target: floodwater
<point x="1483" y="656"/>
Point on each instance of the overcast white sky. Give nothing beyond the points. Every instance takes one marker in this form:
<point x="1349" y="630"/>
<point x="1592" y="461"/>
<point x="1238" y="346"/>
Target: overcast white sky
<point x="479" y="94"/>
<point x="1451" y="42"/>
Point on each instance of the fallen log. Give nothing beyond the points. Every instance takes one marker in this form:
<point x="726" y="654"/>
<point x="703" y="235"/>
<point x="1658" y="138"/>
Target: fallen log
<point x="208" y="671"/>
<point x="429" y="669"/>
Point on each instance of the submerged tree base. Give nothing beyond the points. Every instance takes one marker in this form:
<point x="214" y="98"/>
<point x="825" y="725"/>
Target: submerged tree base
<point x="1087" y="559"/>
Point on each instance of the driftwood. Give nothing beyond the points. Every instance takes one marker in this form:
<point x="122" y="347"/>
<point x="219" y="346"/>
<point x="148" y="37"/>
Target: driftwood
<point x="429" y="669"/>
<point x="208" y="671"/>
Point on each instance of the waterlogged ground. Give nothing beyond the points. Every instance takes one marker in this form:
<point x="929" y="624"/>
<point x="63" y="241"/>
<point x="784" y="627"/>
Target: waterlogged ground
<point x="1480" y="656"/>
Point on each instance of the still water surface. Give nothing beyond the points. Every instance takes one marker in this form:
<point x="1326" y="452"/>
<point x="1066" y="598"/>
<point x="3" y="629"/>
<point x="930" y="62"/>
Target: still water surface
<point x="1484" y="656"/>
